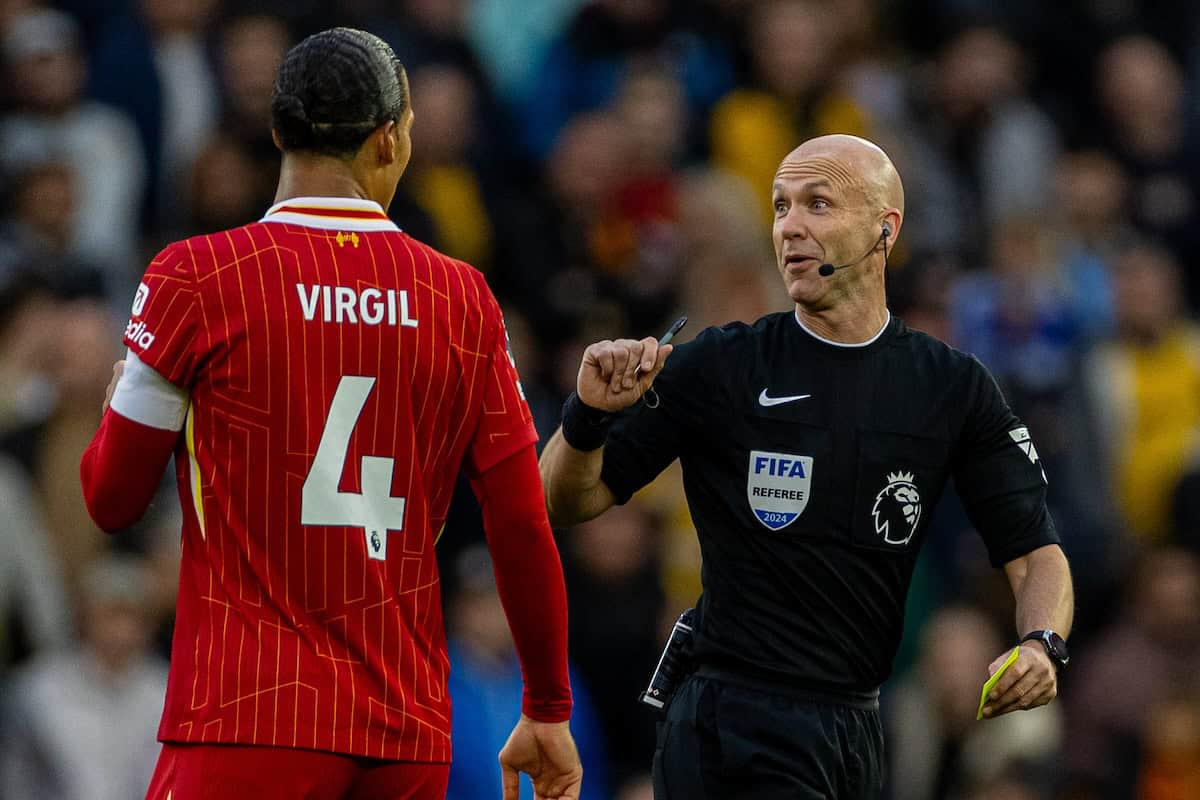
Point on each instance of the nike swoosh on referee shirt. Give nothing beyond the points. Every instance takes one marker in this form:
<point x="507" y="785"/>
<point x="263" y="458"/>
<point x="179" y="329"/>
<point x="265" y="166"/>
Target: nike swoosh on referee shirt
<point x="774" y="401"/>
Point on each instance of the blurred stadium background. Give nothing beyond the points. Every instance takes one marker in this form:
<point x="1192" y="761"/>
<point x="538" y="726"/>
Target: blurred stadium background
<point x="607" y="165"/>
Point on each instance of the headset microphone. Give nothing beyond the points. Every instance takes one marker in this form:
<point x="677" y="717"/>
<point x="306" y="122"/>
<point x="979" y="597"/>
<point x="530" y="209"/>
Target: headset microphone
<point x="825" y="270"/>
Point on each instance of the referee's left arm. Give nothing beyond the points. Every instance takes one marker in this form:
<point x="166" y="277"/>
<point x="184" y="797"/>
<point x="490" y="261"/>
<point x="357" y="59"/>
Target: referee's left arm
<point x="1041" y="584"/>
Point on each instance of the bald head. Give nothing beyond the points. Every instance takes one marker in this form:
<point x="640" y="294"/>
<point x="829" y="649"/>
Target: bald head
<point x="859" y="164"/>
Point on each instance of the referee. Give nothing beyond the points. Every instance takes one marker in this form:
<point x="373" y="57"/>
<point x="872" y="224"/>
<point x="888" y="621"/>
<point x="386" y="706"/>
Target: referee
<point x="814" y="445"/>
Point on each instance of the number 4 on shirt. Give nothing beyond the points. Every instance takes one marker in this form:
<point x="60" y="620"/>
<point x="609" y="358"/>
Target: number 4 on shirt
<point x="374" y="509"/>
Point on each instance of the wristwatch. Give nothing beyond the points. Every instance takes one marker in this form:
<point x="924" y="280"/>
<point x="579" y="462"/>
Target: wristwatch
<point x="1056" y="647"/>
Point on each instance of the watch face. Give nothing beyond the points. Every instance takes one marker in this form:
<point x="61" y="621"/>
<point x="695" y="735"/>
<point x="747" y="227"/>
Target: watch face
<point x="1057" y="647"/>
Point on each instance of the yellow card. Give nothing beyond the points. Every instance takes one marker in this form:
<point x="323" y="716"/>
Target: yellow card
<point x="992" y="681"/>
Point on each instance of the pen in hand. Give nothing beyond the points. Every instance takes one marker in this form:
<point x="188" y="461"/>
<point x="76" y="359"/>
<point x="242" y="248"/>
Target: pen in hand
<point x="675" y="328"/>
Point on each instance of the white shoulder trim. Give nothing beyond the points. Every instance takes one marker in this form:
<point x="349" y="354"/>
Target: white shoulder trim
<point x="144" y="396"/>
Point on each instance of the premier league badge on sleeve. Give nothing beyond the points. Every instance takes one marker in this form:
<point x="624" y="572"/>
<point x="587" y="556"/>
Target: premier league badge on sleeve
<point x="777" y="486"/>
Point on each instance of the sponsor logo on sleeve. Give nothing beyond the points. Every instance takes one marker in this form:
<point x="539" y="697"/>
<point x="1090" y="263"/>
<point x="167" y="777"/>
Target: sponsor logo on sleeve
<point x="139" y="299"/>
<point x="897" y="509"/>
<point x="138" y="335"/>
<point x="778" y="487"/>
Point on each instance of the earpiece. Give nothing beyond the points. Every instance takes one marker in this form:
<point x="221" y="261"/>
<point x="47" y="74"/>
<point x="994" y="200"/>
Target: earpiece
<point x="887" y="232"/>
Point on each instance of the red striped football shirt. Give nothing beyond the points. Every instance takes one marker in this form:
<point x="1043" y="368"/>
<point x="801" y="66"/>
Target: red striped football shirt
<point x="340" y="375"/>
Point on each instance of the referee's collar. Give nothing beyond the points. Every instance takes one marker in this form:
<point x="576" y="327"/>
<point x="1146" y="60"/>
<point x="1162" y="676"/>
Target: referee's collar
<point x="850" y="345"/>
<point x="331" y="213"/>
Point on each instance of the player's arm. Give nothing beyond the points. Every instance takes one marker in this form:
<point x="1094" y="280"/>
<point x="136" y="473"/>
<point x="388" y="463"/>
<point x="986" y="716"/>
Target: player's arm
<point x="502" y="466"/>
<point x="122" y="466"/>
<point x="529" y="579"/>
<point x="612" y="376"/>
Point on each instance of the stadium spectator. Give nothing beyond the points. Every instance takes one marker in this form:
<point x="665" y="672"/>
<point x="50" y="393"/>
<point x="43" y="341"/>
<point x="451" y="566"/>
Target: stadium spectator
<point x="1171" y="761"/>
<point x="33" y="599"/>
<point x="39" y="235"/>
<point x="250" y="48"/>
<point x="558" y="242"/>
<point x="214" y="202"/>
<point x="510" y="38"/>
<point x="79" y="724"/>
<point x="585" y="66"/>
<point x="1148" y="657"/>
<point x="1145" y="126"/>
<point x="81" y="352"/>
<point x="1018" y="314"/>
<point x="983" y="150"/>
<point x="485" y="682"/>
<point x="152" y="63"/>
<point x="616" y="614"/>
<point x="52" y="350"/>
<point x="1023" y="318"/>
<point x="445" y="179"/>
<point x="792" y="95"/>
<point x="52" y="121"/>
<point x="1093" y="225"/>
<point x="1142" y="391"/>
<point x="27" y="328"/>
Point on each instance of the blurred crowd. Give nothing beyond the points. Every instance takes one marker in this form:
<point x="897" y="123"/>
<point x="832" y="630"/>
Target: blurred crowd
<point x="607" y="165"/>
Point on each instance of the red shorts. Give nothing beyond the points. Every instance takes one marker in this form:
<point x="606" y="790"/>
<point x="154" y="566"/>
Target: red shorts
<point x="243" y="772"/>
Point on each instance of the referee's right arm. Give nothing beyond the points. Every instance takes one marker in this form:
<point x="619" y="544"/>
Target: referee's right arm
<point x="612" y="376"/>
<point x="574" y="491"/>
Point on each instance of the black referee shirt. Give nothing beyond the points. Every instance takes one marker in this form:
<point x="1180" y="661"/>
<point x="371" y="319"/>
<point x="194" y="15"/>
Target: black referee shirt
<point x="811" y="471"/>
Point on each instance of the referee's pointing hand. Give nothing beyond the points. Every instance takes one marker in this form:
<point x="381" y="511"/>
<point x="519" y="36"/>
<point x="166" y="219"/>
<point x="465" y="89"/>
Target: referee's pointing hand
<point x="615" y="374"/>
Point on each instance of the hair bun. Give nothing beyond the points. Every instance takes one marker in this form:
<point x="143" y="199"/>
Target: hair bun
<point x="289" y="105"/>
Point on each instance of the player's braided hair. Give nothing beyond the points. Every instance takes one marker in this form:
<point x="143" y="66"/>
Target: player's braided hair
<point x="333" y="89"/>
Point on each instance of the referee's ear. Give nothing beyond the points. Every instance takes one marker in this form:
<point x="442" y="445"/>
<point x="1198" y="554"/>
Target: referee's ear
<point x="889" y="227"/>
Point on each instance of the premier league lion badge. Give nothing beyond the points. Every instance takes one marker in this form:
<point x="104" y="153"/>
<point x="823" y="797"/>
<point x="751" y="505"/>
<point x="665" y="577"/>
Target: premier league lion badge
<point x="897" y="509"/>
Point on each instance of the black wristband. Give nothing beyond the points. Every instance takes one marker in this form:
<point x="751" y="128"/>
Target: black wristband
<point x="583" y="427"/>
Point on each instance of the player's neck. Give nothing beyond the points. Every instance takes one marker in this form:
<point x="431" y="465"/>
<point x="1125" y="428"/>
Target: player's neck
<point x="317" y="176"/>
<point x="854" y="321"/>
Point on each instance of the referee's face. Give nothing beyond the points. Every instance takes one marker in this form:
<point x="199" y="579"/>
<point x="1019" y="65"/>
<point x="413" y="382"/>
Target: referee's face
<point x="821" y="217"/>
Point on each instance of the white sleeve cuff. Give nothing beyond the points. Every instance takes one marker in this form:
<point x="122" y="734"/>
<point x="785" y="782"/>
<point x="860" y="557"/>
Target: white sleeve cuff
<point x="144" y="396"/>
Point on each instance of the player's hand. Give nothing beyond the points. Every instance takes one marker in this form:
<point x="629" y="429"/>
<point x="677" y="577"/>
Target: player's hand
<point x="615" y="374"/>
<point x="118" y="368"/>
<point x="1030" y="682"/>
<point x="545" y="752"/>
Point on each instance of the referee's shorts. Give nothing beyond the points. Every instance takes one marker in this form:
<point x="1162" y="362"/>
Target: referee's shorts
<point x="726" y="740"/>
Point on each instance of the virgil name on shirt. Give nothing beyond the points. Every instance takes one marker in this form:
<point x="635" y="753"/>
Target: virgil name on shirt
<point x="812" y="470"/>
<point x="342" y="304"/>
